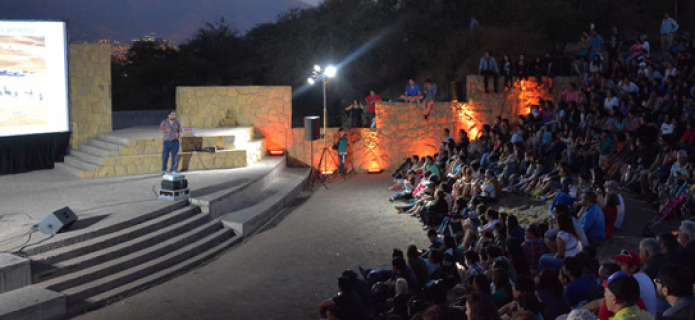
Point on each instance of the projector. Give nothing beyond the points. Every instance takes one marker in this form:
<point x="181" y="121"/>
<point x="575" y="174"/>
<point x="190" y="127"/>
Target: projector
<point x="174" y="187"/>
<point x="173" y="177"/>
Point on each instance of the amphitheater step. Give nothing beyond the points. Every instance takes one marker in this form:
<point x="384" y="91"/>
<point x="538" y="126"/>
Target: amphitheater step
<point x="256" y="209"/>
<point x="131" y="260"/>
<point x="86" y="157"/>
<point x="115" y="139"/>
<point x="103" y="144"/>
<point x="89" y="253"/>
<point x="79" y="163"/>
<point x="76" y="307"/>
<point x="97" y="151"/>
<point x="68" y="169"/>
<point x="114" y="280"/>
<point x="30" y="303"/>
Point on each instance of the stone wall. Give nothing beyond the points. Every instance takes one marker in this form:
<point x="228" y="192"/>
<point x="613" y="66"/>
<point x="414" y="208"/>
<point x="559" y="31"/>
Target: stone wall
<point x="402" y="130"/>
<point x="136" y="118"/>
<point x="267" y="109"/>
<point x="90" y="91"/>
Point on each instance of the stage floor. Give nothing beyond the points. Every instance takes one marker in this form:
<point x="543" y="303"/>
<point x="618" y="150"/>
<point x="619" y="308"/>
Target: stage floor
<point x="145" y="132"/>
<point x="29" y="198"/>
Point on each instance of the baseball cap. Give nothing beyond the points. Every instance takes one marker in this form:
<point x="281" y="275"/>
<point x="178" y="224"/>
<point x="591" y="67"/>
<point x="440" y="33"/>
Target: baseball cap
<point x="613" y="276"/>
<point x="629" y="257"/>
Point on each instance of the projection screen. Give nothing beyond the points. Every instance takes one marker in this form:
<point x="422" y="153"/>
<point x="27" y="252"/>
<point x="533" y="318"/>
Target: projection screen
<point x="33" y="77"/>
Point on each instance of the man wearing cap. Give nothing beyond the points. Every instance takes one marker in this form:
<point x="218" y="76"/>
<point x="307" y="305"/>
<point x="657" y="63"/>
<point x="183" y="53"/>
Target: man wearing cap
<point x="621" y="297"/>
<point x="600" y="304"/>
<point x="686" y="237"/>
<point x="674" y="284"/>
<point x="629" y="262"/>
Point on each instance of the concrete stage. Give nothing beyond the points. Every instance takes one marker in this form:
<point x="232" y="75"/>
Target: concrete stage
<point x="126" y="239"/>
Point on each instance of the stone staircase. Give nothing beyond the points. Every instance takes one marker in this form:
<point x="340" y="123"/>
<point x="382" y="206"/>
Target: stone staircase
<point x="100" y="270"/>
<point x="137" y="151"/>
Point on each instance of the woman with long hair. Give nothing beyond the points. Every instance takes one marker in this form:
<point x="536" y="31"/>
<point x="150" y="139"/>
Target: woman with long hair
<point x="480" y="307"/>
<point x="518" y="256"/>
<point x="551" y="293"/>
<point x="568" y="244"/>
<point x="502" y="292"/>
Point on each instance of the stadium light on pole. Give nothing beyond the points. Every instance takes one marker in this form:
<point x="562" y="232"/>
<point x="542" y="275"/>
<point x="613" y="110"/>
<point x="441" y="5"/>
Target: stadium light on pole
<point x="324" y="74"/>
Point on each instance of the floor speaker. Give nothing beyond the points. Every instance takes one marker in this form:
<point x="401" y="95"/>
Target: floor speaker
<point x="312" y="128"/>
<point x="58" y="221"/>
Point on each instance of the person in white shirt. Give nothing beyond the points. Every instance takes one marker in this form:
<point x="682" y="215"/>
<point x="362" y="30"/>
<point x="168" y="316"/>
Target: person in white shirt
<point x="667" y="127"/>
<point x="612" y="187"/>
<point x="626" y="86"/>
<point x="610" y="101"/>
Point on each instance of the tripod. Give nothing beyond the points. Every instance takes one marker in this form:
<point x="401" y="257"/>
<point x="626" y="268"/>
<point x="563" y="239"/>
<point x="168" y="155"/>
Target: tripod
<point x="315" y="174"/>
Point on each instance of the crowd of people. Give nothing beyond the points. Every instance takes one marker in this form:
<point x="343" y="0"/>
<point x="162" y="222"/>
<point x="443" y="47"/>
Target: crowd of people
<point x="627" y="126"/>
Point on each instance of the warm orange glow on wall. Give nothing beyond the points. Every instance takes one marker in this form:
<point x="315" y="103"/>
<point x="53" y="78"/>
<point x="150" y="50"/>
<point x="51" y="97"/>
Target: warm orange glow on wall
<point x="402" y="130"/>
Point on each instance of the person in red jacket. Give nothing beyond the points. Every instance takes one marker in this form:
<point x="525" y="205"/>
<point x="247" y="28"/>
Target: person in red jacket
<point x="688" y="137"/>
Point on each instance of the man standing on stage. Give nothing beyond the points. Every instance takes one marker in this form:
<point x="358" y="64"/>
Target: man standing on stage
<point x="171" y="128"/>
<point x="371" y="109"/>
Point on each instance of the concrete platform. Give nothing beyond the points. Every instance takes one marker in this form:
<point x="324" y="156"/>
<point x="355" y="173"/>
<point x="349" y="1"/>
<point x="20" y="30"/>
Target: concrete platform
<point x="101" y="205"/>
<point x="137" y="151"/>
<point x="126" y="239"/>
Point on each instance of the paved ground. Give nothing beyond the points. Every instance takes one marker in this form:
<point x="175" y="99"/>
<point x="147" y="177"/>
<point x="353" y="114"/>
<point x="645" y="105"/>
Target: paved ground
<point x="287" y="270"/>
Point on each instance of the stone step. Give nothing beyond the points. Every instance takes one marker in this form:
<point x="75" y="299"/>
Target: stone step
<point x="151" y="280"/>
<point x="32" y="303"/>
<point x="97" y="151"/>
<point x="106" y="145"/>
<point x="44" y="271"/>
<point x="221" y="202"/>
<point x="114" y="280"/>
<point x="115" y="139"/>
<point x="259" y="208"/>
<point x="68" y="169"/>
<point x="86" y="157"/>
<point x="78" y="163"/>
<point x="108" y="238"/>
<point x="70" y="281"/>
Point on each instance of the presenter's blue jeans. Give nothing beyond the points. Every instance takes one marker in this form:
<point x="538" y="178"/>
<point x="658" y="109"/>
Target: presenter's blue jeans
<point x="170" y="147"/>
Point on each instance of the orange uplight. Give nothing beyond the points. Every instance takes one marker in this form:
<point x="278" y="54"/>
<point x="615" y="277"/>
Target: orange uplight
<point x="327" y="172"/>
<point x="375" y="171"/>
<point x="277" y="152"/>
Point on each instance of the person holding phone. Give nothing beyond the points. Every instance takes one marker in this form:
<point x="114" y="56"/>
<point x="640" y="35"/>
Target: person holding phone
<point x="171" y="128"/>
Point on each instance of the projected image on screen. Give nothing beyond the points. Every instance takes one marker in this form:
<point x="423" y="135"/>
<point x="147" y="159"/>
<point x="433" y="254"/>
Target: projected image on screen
<point x="22" y="77"/>
<point x="33" y="77"/>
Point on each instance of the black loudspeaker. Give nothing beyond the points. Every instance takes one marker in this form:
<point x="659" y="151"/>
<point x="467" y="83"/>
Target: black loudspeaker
<point x="312" y="128"/>
<point x="57" y="221"/>
<point x="457" y="92"/>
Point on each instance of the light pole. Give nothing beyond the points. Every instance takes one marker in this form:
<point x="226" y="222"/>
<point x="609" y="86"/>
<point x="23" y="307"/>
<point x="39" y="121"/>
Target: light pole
<point x="323" y="75"/>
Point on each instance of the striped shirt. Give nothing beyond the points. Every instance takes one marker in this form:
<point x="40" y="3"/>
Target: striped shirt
<point x="175" y="129"/>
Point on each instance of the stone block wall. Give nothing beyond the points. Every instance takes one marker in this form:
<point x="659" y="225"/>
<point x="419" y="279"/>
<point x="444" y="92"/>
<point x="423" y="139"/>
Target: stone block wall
<point x="402" y="130"/>
<point x="90" y="91"/>
<point x="267" y="109"/>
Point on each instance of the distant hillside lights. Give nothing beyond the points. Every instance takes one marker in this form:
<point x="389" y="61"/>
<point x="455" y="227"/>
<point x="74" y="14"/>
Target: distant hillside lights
<point x="119" y="50"/>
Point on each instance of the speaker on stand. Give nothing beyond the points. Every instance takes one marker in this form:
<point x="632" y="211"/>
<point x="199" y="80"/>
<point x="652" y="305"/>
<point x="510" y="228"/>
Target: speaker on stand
<point x="312" y="132"/>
